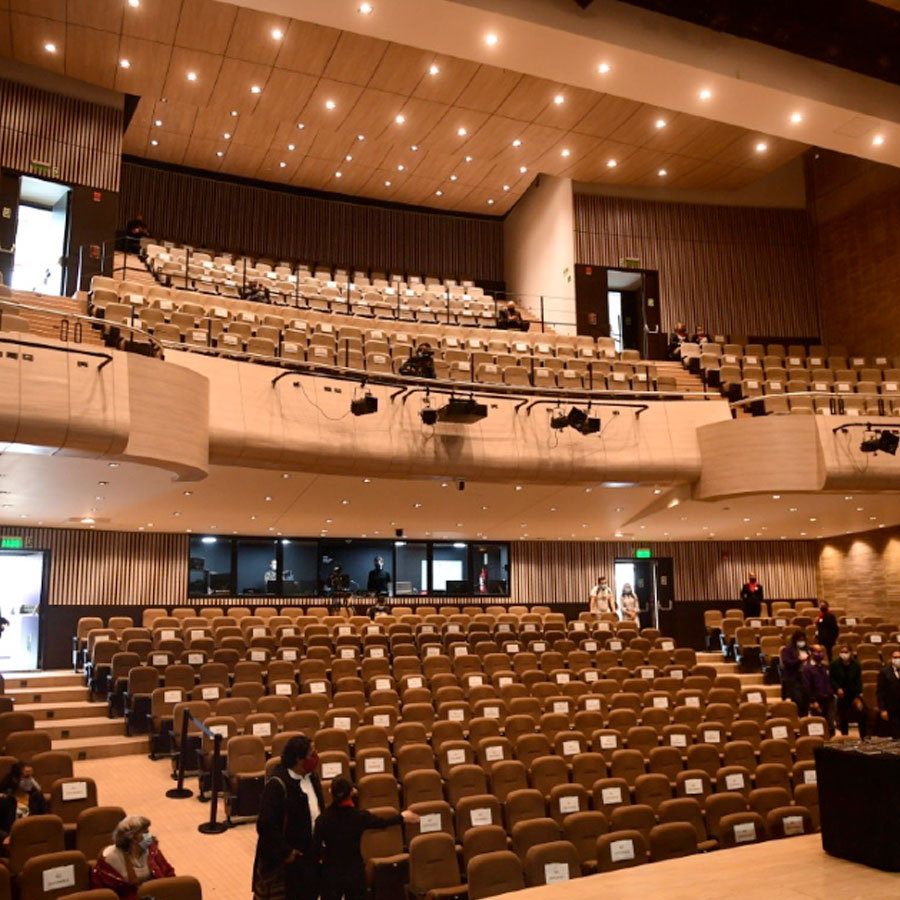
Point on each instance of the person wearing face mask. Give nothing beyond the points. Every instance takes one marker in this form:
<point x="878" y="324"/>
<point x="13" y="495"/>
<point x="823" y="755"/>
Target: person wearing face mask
<point x="336" y="842"/>
<point x="793" y="656"/>
<point x="133" y="858"/>
<point x="818" y="695"/>
<point x="752" y="597"/>
<point x="602" y="598"/>
<point x="20" y="796"/>
<point x="846" y="679"/>
<point x="629" y="607"/>
<point x="827" y="628"/>
<point x="888" y="694"/>
<point x="285" y="868"/>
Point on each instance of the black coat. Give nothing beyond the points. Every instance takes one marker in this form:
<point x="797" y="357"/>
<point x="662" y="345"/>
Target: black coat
<point x="283" y="823"/>
<point x="37" y="806"/>
<point x="827" y="629"/>
<point x="338" y="834"/>
<point x="752" y="601"/>
<point x="889" y="692"/>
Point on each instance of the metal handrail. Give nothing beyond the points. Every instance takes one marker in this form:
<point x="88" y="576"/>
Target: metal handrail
<point x="815" y="395"/>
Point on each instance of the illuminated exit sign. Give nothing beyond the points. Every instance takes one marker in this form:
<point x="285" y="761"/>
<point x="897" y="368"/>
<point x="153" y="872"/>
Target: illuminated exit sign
<point x="11" y="543"/>
<point x="642" y="553"/>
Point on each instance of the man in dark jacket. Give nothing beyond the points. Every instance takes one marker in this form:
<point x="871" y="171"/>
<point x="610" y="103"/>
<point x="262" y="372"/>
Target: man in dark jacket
<point x="846" y="679"/>
<point x="888" y="693"/>
<point x="816" y="682"/>
<point x="793" y="656"/>
<point x="509" y="318"/>
<point x="290" y="806"/>
<point x="337" y="842"/>
<point x="752" y="597"/>
<point x="827" y="628"/>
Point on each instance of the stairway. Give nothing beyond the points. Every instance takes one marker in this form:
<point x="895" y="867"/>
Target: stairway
<point x="61" y="706"/>
<point x="752" y="679"/>
<point x="685" y="381"/>
<point x="47" y="325"/>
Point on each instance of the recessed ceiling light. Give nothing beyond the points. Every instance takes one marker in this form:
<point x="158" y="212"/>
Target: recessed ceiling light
<point x="366" y="8"/>
<point x="191" y="76"/>
<point x="505" y="187"/>
<point x="176" y="513"/>
<point x="662" y="173"/>
<point x="461" y="132"/>
<point x="761" y="147"/>
<point x="282" y="165"/>
<point x="796" y="118"/>
<point x="219" y="153"/>
<point x="291" y="147"/>
<point x="125" y="63"/>
<point x="705" y="94"/>
<point x="433" y="69"/>
<point x="746" y="518"/>
<point x="523" y="169"/>
<point x="812" y="518"/>
<point x="417" y="505"/>
<point x="401" y="167"/>
<point x="468" y="159"/>
<point x="344" y="502"/>
<point x="878" y="140"/>
<point x="330" y="104"/>
<point x="158" y="123"/>
<point x="517" y="143"/>
<point x="559" y="99"/>
<point x="657" y="490"/>
<point x="565" y="152"/>
<point x="453" y="177"/>
<point x="50" y="47"/>
<point x="348" y="158"/>
<point x="300" y="125"/>
<point x="255" y="89"/>
<point x="603" y="68"/>
<point x="134" y="4"/>
<point x="661" y="123"/>
<point x="399" y="118"/>
<point x="491" y="39"/>
<point x="439" y="193"/>
<point x="490" y="202"/>
<point x="360" y="137"/>
<point x="227" y="135"/>
<point x="414" y="148"/>
<point x="611" y="164"/>
<point x="234" y="112"/>
<point x="338" y="174"/>
<point x="154" y="143"/>
<point x="277" y="34"/>
<point x="860" y="508"/>
<point x="802" y="534"/>
<point x="776" y="496"/>
<point x="518" y="487"/>
<point x="387" y="184"/>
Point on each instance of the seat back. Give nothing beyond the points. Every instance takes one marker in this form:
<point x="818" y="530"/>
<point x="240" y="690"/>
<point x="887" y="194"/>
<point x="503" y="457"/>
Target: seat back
<point x="432" y="862"/>
<point x="496" y="872"/>
<point x="94" y="828"/>
<point x="179" y="887"/>
<point x="49" y="876"/>
<point x="34" y="836"/>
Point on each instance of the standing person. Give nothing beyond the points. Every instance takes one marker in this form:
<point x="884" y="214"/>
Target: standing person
<point x="888" y="693"/>
<point x="846" y="679"/>
<point x="285" y="867"/>
<point x="792" y="658"/>
<point x="629" y="606"/>
<point x="379" y="581"/>
<point x="752" y="597"/>
<point x="816" y="682"/>
<point x="132" y="859"/>
<point x="336" y="842"/>
<point x="827" y="628"/>
<point x="20" y="796"/>
<point x="602" y="598"/>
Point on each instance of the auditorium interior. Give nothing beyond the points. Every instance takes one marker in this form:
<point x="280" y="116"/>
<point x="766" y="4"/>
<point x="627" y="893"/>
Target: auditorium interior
<point x="502" y="398"/>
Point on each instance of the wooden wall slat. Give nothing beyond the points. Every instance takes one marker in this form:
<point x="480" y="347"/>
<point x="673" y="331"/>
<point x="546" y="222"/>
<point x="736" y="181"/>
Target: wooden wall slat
<point x="82" y="139"/>
<point x="741" y="270"/>
<point x="260" y="221"/>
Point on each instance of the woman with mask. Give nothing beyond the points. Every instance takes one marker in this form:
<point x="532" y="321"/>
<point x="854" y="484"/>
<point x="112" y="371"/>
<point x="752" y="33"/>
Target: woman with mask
<point x="846" y="679"/>
<point x="752" y="597"/>
<point x="336" y="842"/>
<point x="20" y="796"/>
<point x="133" y="858"/>
<point x="285" y="868"/>
<point x="818" y="695"/>
<point x="792" y="658"/>
<point x="629" y="608"/>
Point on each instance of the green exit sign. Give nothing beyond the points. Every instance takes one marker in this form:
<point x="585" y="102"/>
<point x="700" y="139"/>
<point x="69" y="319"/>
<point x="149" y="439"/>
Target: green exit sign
<point x="642" y="553"/>
<point x="11" y="543"/>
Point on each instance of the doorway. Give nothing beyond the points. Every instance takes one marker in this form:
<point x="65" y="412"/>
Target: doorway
<point x="22" y="576"/>
<point x="652" y="582"/>
<point x="41" y="235"/>
<point x="622" y="304"/>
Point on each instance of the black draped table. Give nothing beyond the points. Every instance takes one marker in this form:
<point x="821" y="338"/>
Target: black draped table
<point x="859" y="800"/>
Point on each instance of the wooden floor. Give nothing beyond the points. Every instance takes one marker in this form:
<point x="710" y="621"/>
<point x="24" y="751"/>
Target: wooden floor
<point x="791" y="869"/>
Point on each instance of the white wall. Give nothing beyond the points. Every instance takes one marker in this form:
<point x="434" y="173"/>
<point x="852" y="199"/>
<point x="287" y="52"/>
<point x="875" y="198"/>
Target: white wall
<point x="539" y="245"/>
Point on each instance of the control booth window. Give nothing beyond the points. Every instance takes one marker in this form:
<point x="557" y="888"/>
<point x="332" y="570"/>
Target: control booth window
<point x="490" y="569"/>
<point x="355" y="566"/>
<point x="210" y="568"/>
<point x="299" y="568"/>
<point x="450" y="569"/>
<point x="257" y="568"/>
<point x="412" y="568"/>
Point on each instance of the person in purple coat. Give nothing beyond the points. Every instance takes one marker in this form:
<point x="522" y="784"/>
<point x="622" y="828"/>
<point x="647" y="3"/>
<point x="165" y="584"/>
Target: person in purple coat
<point x="817" y="690"/>
<point x="793" y="656"/>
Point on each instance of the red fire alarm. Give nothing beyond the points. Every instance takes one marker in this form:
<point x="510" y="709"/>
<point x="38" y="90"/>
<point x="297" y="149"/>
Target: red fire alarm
<point x="97" y="196"/>
<point x="589" y="270"/>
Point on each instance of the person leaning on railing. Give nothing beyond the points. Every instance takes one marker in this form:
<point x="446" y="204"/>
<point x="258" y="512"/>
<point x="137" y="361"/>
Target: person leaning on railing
<point x="420" y="363"/>
<point x="510" y="318"/>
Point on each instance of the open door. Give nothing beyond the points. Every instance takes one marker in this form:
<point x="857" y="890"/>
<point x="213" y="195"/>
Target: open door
<point x="651" y="580"/>
<point x="9" y="215"/>
<point x="22" y="574"/>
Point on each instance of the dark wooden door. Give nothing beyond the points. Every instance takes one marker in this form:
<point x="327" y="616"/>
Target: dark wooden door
<point x="655" y="339"/>
<point x="591" y="303"/>
<point x="9" y="220"/>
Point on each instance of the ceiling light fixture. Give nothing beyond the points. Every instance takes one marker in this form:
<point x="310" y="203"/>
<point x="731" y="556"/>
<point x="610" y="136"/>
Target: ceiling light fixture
<point x="796" y="118"/>
<point x="227" y="135"/>
<point x="611" y="164"/>
<point x="517" y="143"/>
<point x="661" y="123"/>
<point x="761" y="147"/>
<point x="50" y="47"/>
<point x="300" y="125"/>
<point x="158" y="123"/>
<point x="662" y="173"/>
<point x="565" y="152"/>
<point x="505" y="187"/>
<point x="366" y="9"/>
<point x="453" y="177"/>
<point x="433" y="69"/>
<point x="399" y="118"/>
<point x="878" y="140"/>
<point x="134" y="4"/>
<point x="282" y="165"/>
<point x="330" y="104"/>
<point x="559" y="99"/>
<point x="490" y="202"/>
<point x="387" y="184"/>
<point x="125" y="63"/>
<point x="277" y="34"/>
<point x="338" y="174"/>
<point x="348" y="158"/>
<point x="523" y="169"/>
<point x="491" y="39"/>
<point x="401" y="167"/>
<point x="439" y="193"/>
<point x="219" y="153"/>
<point x="414" y="148"/>
<point x="468" y="159"/>
<point x="191" y="76"/>
<point x="234" y="112"/>
<point x="255" y="89"/>
<point x="461" y="132"/>
<point x="154" y="143"/>
<point x="705" y="94"/>
<point x="291" y="147"/>
<point x="360" y="137"/>
<point x="603" y="68"/>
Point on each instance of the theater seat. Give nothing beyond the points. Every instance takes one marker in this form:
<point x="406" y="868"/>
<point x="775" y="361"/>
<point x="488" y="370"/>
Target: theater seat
<point x="494" y="873"/>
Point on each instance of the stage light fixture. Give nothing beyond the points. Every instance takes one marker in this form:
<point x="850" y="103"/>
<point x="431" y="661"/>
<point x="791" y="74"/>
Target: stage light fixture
<point x="582" y="422"/>
<point x="429" y="415"/>
<point x="559" y="420"/>
<point x="463" y="412"/>
<point x="888" y="442"/>
<point x="364" y="406"/>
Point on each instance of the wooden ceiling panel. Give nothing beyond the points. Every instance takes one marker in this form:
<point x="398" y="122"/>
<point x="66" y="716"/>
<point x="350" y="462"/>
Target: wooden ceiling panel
<point x="495" y="136"/>
<point x="171" y="147"/>
<point x="278" y="165"/>
<point x="488" y="88"/>
<point x="632" y="163"/>
<point x="254" y="130"/>
<point x="701" y="176"/>
<point x="306" y="47"/>
<point x="45" y="9"/>
<point x="200" y="153"/>
<point x="206" y="66"/>
<point x="344" y="96"/>
<point x="30" y="34"/>
<point x="400" y="69"/>
<point x="711" y="140"/>
<point x="536" y="141"/>
<point x="374" y="112"/>
<point x="743" y="153"/>
<point x="136" y="140"/>
<point x="447" y="130"/>
<point x="285" y="95"/>
<point x="369" y="152"/>
<point x="577" y="147"/>
<point x="243" y="159"/>
<point x="233" y="86"/>
<point x="355" y="58"/>
<point x="252" y="37"/>
<point x="595" y="166"/>
<point x="576" y="104"/>
<point x="353" y="177"/>
<point x="288" y="133"/>
<point x="450" y="81"/>
<point x="176" y="118"/>
<point x="92" y="55"/>
<point x="146" y="76"/>
<point x="608" y="114"/>
<point x="5" y="34"/>
<point x="437" y="165"/>
<point x="153" y="20"/>
<point x="332" y="145"/>
<point x="641" y="128"/>
<point x="205" y="25"/>
<point x="212" y="123"/>
<point x="104" y="15"/>
<point x="425" y="121"/>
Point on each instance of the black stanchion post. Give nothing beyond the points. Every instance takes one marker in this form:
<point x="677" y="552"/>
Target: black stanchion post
<point x="213" y="826"/>
<point x="180" y="792"/>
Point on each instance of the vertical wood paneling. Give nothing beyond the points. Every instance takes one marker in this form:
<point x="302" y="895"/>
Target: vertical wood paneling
<point x="564" y="572"/>
<point x="82" y="140"/>
<point x="111" y="567"/>
<point x="260" y="221"/>
<point x="732" y="269"/>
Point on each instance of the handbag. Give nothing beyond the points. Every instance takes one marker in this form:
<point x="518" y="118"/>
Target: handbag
<point x="271" y="885"/>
